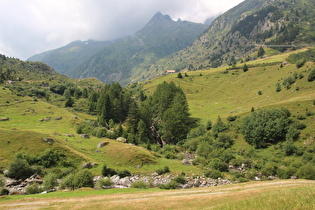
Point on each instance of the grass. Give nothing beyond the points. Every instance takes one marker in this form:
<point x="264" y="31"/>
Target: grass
<point x="236" y="92"/>
<point x="25" y="132"/>
<point x="280" y="194"/>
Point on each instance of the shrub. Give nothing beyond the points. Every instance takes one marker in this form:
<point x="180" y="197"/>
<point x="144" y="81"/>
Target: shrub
<point x="269" y="169"/>
<point x="214" y="174"/>
<point x="34" y="188"/>
<point x="219" y="127"/>
<point x="306" y="171"/>
<point x="300" y="125"/>
<point x="300" y="63"/>
<point x="140" y="185"/>
<point x="50" y="181"/>
<point x="4" y="191"/>
<point x="180" y="179"/>
<point x="289" y="148"/>
<point x="311" y="75"/>
<point x="108" y="171"/>
<point x="163" y="170"/>
<point x="123" y="173"/>
<point x="104" y="183"/>
<point x="301" y="117"/>
<point x="83" y="178"/>
<point x="171" y="185"/>
<point x="19" y="169"/>
<point x="283" y="173"/>
<point x="231" y="118"/>
<point x="217" y="164"/>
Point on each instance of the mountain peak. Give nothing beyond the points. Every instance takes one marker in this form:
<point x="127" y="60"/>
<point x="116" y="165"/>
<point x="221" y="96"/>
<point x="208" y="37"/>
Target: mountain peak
<point x="159" y="17"/>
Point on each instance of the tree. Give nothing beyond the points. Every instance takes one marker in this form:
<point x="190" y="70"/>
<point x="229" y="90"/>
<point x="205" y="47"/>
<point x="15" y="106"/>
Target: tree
<point x="245" y="68"/>
<point x="175" y="124"/>
<point x="311" y="75"/>
<point x="19" y="169"/>
<point x="219" y="127"/>
<point x="261" y="52"/>
<point x="266" y="126"/>
<point x="69" y="102"/>
<point x="179" y="75"/>
<point x="278" y="87"/>
<point x="83" y="178"/>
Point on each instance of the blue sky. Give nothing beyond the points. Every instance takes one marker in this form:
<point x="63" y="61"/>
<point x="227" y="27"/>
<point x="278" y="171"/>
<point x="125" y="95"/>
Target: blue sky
<point x="30" y="27"/>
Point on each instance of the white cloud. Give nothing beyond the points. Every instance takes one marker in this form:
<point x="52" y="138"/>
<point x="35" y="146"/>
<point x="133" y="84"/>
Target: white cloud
<point x="34" y="26"/>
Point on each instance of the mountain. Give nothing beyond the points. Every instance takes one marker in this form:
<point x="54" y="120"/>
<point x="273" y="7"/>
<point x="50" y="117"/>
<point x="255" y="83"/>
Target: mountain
<point x="235" y="35"/>
<point x="127" y="60"/>
<point x="66" y="57"/>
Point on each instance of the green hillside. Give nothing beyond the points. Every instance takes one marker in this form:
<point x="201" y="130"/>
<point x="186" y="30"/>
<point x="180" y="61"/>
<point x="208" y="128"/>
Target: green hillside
<point x="232" y="92"/>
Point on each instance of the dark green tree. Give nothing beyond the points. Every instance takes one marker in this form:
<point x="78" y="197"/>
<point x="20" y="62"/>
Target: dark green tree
<point x="266" y="126"/>
<point x="219" y="127"/>
<point x="19" y="169"/>
<point x="261" y="52"/>
<point x="179" y="75"/>
<point x="69" y="102"/>
<point x="245" y="68"/>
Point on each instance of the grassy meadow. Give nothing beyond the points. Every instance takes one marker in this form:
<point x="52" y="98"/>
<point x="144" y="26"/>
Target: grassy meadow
<point x="280" y="194"/>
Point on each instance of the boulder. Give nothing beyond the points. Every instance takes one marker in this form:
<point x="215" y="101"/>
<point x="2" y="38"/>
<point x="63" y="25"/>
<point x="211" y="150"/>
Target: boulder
<point x="102" y="144"/>
<point x="125" y="182"/>
<point x="87" y="165"/>
<point x="4" y="119"/>
<point x="69" y="135"/>
<point x="58" y="118"/>
<point x="84" y="136"/>
<point x="49" y="140"/>
<point x="121" y="139"/>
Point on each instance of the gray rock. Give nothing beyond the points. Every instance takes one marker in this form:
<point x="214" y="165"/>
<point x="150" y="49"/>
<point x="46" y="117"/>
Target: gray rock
<point x="84" y="136"/>
<point x="102" y="144"/>
<point x="121" y="139"/>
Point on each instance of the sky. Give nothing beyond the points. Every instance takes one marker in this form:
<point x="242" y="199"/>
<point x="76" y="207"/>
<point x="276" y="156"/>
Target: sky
<point x="29" y="27"/>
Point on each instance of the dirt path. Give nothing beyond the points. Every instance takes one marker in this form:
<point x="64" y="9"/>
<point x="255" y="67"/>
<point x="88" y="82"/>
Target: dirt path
<point x="131" y="200"/>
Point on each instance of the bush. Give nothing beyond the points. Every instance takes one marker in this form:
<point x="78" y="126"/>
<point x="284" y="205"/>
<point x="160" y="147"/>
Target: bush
<point x="123" y="173"/>
<point x="34" y="188"/>
<point x="83" y="178"/>
<point x="163" y="170"/>
<point x="289" y="148"/>
<point x="311" y="75"/>
<point x="270" y="169"/>
<point x="180" y="179"/>
<point x="19" y="169"/>
<point x="283" y="173"/>
<point x="140" y="185"/>
<point x="4" y="191"/>
<point x="171" y="185"/>
<point x="50" y="181"/>
<point x="108" y="171"/>
<point x="231" y="118"/>
<point x="217" y="164"/>
<point x="214" y="174"/>
<point x="306" y="171"/>
<point x="104" y="183"/>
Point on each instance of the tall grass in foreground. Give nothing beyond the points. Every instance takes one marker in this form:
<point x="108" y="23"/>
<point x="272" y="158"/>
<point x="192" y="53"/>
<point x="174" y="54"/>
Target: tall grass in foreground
<point x="302" y="197"/>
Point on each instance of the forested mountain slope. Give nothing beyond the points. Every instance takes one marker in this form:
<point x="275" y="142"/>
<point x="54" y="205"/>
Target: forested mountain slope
<point x="235" y="35"/>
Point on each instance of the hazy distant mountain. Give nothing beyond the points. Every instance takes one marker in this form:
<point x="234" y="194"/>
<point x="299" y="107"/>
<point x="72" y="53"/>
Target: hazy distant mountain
<point x="127" y="59"/>
<point x="65" y="58"/>
<point x="240" y="32"/>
